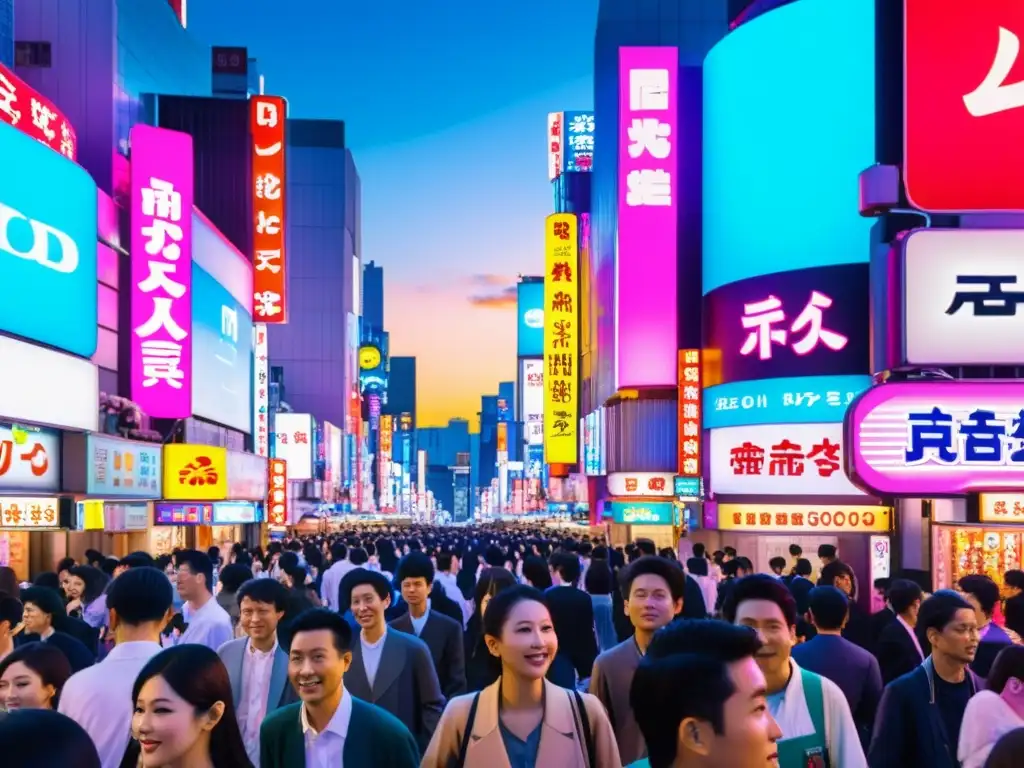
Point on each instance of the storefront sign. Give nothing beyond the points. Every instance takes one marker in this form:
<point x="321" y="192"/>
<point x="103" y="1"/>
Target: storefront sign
<point x="29" y="459"/>
<point x="688" y="487"/>
<point x="800" y="400"/>
<point x="66" y="397"/>
<point x="531" y="404"/>
<point x="962" y="289"/>
<point x="29" y="512"/>
<point x="277" y="495"/>
<point x="937" y="438"/>
<point x="780" y="460"/>
<point x="24" y="108"/>
<point x="579" y="141"/>
<point x="640" y="484"/>
<point x="183" y="514"/>
<point x="689" y="412"/>
<point x="234" y="513"/>
<point x="161" y="271"/>
<point x="261" y="390"/>
<point x="1001" y="508"/>
<point x="247" y="476"/>
<point x="649" y="513"/>
<point x="267" y="124"/>
<point x="809" y="322"/>
<point x="125" y="517"/>
<point x="556" y="144"/>
<point x="123" y="468"/>
<point x="797" y="518"/>
<point x="195" y="472"/>
<point x="293" y="442"/>
<point x="561" y="340"/>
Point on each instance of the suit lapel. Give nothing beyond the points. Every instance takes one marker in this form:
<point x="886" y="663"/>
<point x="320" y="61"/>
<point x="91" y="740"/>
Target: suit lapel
<point x="278" y="680"/>
<point x="355" y="679"/>
<point x="429" y="629"/>
<point x="238" y="669"/>
<point x="392" y="664"/>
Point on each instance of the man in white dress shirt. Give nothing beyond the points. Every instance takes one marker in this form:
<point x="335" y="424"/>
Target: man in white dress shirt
<point x="332" y="576"/>
<point x="208" y="623"/>
<point x="99" y="698"/>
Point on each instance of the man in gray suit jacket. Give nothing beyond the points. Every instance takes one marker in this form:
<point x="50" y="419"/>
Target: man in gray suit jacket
<point x="391" y="669"/>
<point x="257" y="665"/>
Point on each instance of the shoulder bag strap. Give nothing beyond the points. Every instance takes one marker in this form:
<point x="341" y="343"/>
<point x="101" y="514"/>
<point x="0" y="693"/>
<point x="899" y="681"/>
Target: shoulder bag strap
<point x="815" y="698"/>
<point x="584" y="726"/>
<point x="467" y="732"/>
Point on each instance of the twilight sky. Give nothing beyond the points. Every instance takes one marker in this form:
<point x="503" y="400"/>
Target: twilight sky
<point x="445" y="108"/>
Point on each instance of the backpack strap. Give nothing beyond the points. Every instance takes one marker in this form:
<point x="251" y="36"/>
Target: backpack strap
<point x="467" y="732"/>
<point x="815" y="698"/>
<point x="583" y="729"/>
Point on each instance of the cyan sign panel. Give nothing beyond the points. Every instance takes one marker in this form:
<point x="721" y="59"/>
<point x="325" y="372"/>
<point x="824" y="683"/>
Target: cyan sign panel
<point x="642" y="513"/>
<point x="578" y="128"/>
<point x="799" y="400"/>
<point x="530" y="306"/>
<point x="48" y="213"/>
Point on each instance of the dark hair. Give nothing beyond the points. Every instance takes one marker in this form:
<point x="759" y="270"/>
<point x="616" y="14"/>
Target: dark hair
<point x="316" y="619"/>
<point x="10" y="611"/>
<point x="264" y="591"/>
<point x="730" y="551"/>
<point x="338" y="551"/>
<point x="9" y="581"/>
<point x="358" y="556"/>
<point x="138" y="560"/>
<point x="492" y="581"/>
<point x="598" y="580"/>
<point x="697" y="566"/>
<point x="938" y="611"/>
<point x="685" y="673"/>
<point x="415" y="565"/>
<point x="140" y="595"/>
<point x="829" y="607"/>
<point x="650" y="565"/>
<point x="646" y="546"/>
<point x="699" y="550"/>
<point x="48" y="580"/>
<point x="47" y="661"/>
<point x="444" y="561"/>
<point x="826" y="550"/>
<point x="94" y="556"/>
<point x="65" y="564"/>
<point x="234" y="576"/>
<point x="777" y="563"/>
<point x="983" y="588"/>
<point x="44" y="738"/>
<point x="1014" y="578"/>
<point x="803" y="567"/>
<point x="48" y="601"/>
<point x="535" y="568"/>
<point x="760" y="586"/>
<point x="566" y="565"/>
<point x="1009" y="663"/>
<point x="833" y="571"/>
<point x="795" y="550"/>
<point x="359" y="577"/>
<point x="199" y="563"/>
<point x="1007" y="751"/>
<point x="501" y="606"/>
<point x="197" y="675"/>
<point x="94" y="579"/>
<point x="902" y="594"/>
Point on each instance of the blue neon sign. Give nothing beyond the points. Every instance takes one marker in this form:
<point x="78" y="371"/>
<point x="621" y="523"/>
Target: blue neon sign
<point x="799" y="400"/>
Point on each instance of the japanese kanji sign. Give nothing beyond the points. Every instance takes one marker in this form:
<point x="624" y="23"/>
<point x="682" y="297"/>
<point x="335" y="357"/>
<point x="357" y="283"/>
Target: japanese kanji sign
<point x="261" y="391"/>
<point x="267" y="116"/>
<point x="34" y="114"/>
<point x="797" y="518"/>
<point x="556" y="144"/>
<point x="195" y="472"/>
<point x="1001" y="508"/>
<point x="161" y="271"/>
<point x="689" y="419"/>
<point x="779" y="460"/>
<point x="561" y="339"/>
<point x="294" y="437"/>
<point x="277" y="495"/>
<point x="579" y="141"/>
<point x="937" y="438"/>
<point x="24" y="512"/>
<point x="640" y="484"/>
<point x="648" y="199"/>
<point x="808" y="322"/>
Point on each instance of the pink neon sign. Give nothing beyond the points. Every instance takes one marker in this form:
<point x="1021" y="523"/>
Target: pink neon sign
<point x="648" y="185"/>
<point x="761" y="317"/>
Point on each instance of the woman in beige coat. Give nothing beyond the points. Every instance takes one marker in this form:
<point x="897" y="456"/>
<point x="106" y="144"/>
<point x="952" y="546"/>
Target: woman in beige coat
<point x="522" y="719"/>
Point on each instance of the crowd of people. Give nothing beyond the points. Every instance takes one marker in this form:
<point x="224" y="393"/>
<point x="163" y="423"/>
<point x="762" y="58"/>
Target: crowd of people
<point x="491" y="646"/>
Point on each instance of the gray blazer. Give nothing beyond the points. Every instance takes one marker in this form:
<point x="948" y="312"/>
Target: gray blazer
<point x="280" y="693"/>
<point x="443" y="637"/>
<point x="406" y="684"/>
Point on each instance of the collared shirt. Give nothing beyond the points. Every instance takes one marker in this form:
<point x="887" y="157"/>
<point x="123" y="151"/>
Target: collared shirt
<point x="95" y="614"/>
<point x="371" y="656"/>
<point x="99" y="698"/>
<point x="913" y="635"/>
<point x="331" y="581"/>
<point x="257" y="666"/>
<point x="449" y="583"/>
<point x="421" y="622"/>
<point x="326" y="749"/>
<point x="209" y="626"/>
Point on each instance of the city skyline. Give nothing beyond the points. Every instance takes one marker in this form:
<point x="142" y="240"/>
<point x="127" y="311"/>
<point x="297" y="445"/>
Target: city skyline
<point x="450" y="251"/>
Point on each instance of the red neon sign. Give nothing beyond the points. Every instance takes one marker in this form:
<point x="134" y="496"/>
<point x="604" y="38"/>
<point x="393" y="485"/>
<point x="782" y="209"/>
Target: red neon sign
<point x="34" y="114"/>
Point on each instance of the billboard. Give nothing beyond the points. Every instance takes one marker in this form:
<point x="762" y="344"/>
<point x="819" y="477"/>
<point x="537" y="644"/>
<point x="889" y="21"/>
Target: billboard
<point x="293" y="442"/>
<point x="810" y="322"/>
<point x="579" y="141"/>
<point x="530" y="309"/>
<point x="561" y="339"/>
<point x="277" y="492"/>
<point x="48" y="214"/>
<point x="556" y="144"/>
<point x="800" y="518"/>
<point x="161" y="272"/>
<point x="261" y="391"/>
<point x="531" y="406"/>
<point x="688" y="420"/>
<point x="267" y="115"/>
<point x="779" y="94"/>
<point x="648" y="194"/>
<point x="801" y="400"/>
<point x="27" y="110"/>
<point x="640" y="484"/>
<point x="937" y="438"/>
<point x="195" y="472"/>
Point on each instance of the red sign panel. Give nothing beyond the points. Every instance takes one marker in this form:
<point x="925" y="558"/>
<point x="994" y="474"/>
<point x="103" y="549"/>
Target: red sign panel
<point x="964" y="105"/>
<point x="34" y="114"/>
<point x="277" y="493"/>
<point x="267" y="120"/>
<point x="689" y="421"/>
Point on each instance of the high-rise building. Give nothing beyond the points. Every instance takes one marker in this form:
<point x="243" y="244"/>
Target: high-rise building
<point x="402" y="387"/>
<point x="373" y="296"/>
<point x="318" y="344"/>
<point x="7" y="32"/>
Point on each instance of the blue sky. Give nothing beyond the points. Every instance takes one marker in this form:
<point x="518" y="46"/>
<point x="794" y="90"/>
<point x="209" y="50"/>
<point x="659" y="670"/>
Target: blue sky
<point x="445" y="107"/>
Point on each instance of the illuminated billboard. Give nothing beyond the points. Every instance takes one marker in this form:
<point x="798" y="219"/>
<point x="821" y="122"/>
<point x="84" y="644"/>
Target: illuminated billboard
<point x="579" y="141"/>
<point x="789" y="120"/>
<point x="531" y="400"/>
<point x="267" y="115"/>
<point x="33" y="114"/>
<point x="648" y="199"/>
<point x="561" y="339"/>
<point x="530" y="308"/>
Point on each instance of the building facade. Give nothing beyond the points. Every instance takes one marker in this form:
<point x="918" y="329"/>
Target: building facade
<point x="373" y="297"/>
<point x="7" y="32"/>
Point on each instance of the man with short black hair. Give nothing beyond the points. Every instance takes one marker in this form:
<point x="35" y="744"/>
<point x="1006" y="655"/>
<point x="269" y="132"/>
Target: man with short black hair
<point x="99" y="698"/>
<point x="572" y="612"/>
<point x="446" y="577"/>
<point x="330" y="582"/>
<point x="983" y="595"/>
<point x="827" y="553"/>
<point x="1013" y="611"/>
<point x="207" y="623"/>
<point x="329" y="726"/>
<point x="10" y="618"/>
<point x="899" y="648"/>
<point x="699" y="699"/>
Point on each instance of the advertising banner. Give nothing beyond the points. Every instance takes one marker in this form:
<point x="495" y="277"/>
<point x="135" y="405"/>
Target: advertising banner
<point x="67" y="396"/>
<point x="195" y="472"/>
<point x="247" y="476"/>
<point x="800" y="400"/>
<point x="531" y="409"/>
<point x="530" y="307"/>
<point x="161" y="271"/>
<point x="579" y="141"/>
<point x="277" y="495"/>
<point x="24" y="108"/>
<point x="123" y="468"/>
<point x="937" y="438"/>
<point x="182" y="514"/>
<point x="811" y="322"/>
<point x="235" y="512"/>
<point x="293" y="442"/>
<point x="648" y="192"/>
<point x="1006" y="507"/>
<point x="556" y="144"/>
<point x="962" y="289"/>
<point x="261" y="391"/>
<point x="561" y="339"/>
<point x="267" y="119"/>
<point x="125" y="517"/>
<point x="29" y="460"/>
<point x="779" y="460"/>
<point x="642" y="513"/>
<point x="799" y="518"/>
<point x="29" y="512"/>
<point x="688" y="421"/>
<point x="47" y="245"/>
<point x="640" y="484"/>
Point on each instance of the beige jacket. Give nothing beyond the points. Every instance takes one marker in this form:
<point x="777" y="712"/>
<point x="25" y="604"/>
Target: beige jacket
<point x="558" y="742"/>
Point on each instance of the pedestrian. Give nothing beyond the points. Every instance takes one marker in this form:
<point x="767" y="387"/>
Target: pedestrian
<point x="995" y="711"/>
<point x="898" y="647"/>
<point x="42" y="738"/>
<point x="85" y="586"/>
<point x="1007" y="751"/>
<point x="523" y="719"/>
<point x="32" y="677"/>
<point x="232" y="577"/>
<point x="572" y="612"/>
<point x="46" y="620"/>
<point x="598" y="582"/>
<point x="983" y="595"/>
<point x="208" y="623"/>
